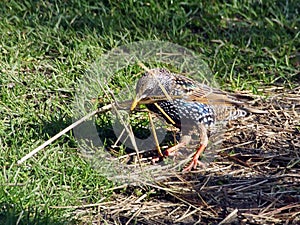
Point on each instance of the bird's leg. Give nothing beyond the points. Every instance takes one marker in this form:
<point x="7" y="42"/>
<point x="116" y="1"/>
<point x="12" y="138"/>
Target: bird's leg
<point x="184" y="140"/>
<point x="204" y="141"/>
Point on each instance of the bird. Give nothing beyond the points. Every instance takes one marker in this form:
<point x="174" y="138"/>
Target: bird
<point x="188" y="104"/>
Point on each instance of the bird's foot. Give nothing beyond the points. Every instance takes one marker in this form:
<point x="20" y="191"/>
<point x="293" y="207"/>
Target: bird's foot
<point x="173" y="150"/>
<point x="155" y="159"/>
<point x="195" y="162"/>
<point x="193" y="165"/>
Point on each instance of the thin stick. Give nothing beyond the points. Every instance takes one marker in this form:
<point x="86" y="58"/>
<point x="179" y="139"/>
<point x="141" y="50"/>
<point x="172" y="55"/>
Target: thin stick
<point x="154" y="135"/>
<point x="164" y="113"/>
<point x="230" y="217"/>
<point x="30" y="154"/>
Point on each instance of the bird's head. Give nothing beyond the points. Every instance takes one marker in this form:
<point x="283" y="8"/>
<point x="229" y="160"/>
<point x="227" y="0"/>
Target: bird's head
<point x="151" y="85"/>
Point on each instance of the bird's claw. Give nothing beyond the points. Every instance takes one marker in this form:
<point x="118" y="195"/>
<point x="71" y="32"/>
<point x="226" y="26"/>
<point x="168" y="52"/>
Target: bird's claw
<point x="170" y="153"/>
<point x="193" y="165"/>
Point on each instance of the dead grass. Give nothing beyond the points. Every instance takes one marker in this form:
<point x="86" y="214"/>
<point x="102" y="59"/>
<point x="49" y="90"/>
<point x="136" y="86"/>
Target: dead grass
<point x="254" y="179"/>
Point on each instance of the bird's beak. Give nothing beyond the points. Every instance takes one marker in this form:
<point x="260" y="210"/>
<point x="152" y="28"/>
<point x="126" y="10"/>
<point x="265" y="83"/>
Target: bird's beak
<point x="134" y="103"/>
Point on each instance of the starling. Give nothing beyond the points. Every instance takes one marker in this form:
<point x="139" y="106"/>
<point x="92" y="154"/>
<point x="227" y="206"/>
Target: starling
<point x="187" y="104"/>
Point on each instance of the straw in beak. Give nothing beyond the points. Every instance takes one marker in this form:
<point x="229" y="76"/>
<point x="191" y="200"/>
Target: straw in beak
<point x="134" y="103"/>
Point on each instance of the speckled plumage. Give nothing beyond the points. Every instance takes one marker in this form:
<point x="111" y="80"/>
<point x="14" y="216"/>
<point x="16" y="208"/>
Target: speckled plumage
<point x="187" y="103"/>
<point x="185" y="107"/>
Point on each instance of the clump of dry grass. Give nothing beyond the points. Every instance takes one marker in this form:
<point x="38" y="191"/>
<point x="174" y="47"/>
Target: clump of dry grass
<point x="254" y="179"/>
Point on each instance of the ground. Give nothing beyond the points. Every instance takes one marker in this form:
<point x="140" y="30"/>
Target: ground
<point x="253" y="178"/>
<point x="46" y="47"/>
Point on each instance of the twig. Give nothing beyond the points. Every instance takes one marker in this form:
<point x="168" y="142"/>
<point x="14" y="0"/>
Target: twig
<point x="55" y="137"/>
<point x="230" y="217"/>
<point x="100" y="203"/>
<point x="154" y="135"/>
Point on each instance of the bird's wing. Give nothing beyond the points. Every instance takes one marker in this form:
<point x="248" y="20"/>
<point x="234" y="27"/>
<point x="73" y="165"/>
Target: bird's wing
<point x="194" y="91"/>
<point x="211" y="96"/>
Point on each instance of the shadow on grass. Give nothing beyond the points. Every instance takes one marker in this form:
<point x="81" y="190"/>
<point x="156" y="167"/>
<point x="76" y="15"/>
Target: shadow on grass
<point x="55" y="125"/>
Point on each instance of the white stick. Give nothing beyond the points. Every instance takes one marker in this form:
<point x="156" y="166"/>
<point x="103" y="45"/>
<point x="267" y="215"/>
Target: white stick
<point x="30" y="154"/>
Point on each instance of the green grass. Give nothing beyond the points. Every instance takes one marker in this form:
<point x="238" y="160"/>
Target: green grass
<point x="46" y="46"/>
